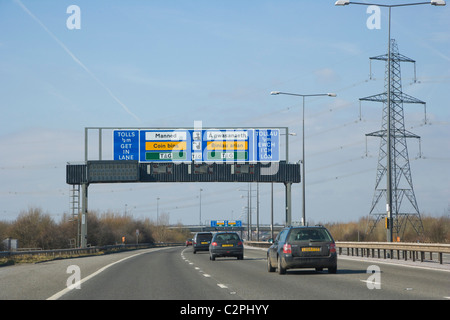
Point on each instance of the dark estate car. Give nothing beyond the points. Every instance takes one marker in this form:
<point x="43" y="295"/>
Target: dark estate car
<point x="302" y="247"/>
<point x="226" y="244"/>
<point x="201" y="241"/>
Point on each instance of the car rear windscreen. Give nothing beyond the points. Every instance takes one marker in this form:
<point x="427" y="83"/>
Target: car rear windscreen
<point x="227" y="237"/>
<point x="310" y="235"/>
<point x="204" y="236"/>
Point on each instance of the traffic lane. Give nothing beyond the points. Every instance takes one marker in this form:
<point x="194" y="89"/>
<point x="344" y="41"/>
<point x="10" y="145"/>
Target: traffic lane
<point x="39" y="281"/>
<point x="249" y="279"/>
<point x="157" y="275"/>
<point x="410" y="281"/>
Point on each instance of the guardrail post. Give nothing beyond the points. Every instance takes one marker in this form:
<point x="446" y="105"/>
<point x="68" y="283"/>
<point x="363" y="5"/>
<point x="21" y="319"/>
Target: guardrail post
<point x="440" y="257"/>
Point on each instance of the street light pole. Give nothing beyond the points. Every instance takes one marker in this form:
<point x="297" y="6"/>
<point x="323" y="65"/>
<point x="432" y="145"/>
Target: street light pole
<point x="157" y="211"/>
<point x="303" y="141"/>
<point x="389" y="233"/>
<point x="200" y="213"/>
<point x="389" y="187"/>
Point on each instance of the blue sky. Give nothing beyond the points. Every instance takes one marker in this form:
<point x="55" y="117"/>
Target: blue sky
<point x="158" y="63"/>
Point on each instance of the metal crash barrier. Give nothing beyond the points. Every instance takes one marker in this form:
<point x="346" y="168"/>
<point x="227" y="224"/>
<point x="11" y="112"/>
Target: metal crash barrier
<point x="385" y="250"/>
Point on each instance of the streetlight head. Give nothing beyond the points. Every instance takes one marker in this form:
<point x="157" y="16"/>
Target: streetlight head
<point x="341" y="3"/>
<point x="437" y="2"/>
<point x="274" y="92"/>
<point x="331" y="94"/>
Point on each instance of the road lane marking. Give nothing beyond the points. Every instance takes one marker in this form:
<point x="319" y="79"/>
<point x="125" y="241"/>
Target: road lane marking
<point x="371" y="282"/>
<point x="59" y="294"/>
<point x="220" y="285"/>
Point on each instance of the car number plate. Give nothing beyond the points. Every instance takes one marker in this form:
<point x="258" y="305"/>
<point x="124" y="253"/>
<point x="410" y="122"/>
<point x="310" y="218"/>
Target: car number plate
<point x="227" y="245"/>
<point x="311" y="249"/>
<point x="205" y="242"/>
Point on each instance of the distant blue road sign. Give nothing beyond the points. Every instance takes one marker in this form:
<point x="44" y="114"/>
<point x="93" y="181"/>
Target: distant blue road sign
<point x="226" y="223"/>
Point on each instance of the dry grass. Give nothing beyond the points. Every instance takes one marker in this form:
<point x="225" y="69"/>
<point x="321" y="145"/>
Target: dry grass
<point x="36" y="258"/>
<point x="436" y="230"/>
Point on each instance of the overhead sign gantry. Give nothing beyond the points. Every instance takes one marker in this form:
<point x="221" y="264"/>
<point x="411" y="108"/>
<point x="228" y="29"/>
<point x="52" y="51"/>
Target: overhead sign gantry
<point x="186" y="155"/>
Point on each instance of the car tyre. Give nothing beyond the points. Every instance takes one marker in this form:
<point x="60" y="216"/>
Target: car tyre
<point x="240" y="257"/>
<point x="280" y="268"/>
<point x="269" y="265"/>
<point x="212" y="257"/>
<point x="332" y="270"/>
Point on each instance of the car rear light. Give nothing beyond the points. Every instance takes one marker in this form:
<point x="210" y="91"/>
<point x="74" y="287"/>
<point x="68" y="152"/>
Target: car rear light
<point x="287" y="248"/>
<point x="214" y="244"/>
<point x="240" y="243"/>
<point x="332" y="248"/>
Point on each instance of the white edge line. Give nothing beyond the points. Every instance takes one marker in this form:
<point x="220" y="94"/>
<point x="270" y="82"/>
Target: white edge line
<point x="61" y="293"/>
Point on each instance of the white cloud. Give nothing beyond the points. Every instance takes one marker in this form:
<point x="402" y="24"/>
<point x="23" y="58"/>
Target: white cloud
<point x="326" y="75"/>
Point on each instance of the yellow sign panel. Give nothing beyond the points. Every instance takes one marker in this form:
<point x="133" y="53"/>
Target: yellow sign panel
<point x="165" y="145"/>
<point x="227" y="145"/>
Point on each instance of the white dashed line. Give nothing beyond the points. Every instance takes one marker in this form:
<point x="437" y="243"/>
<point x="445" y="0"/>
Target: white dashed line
<point x="220" y="285"/>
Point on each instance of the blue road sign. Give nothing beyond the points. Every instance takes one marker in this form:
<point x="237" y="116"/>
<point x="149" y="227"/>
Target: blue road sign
<point x="126" y="144"/>
<point x="268" y="145"/>
<point x="226" y="223"/>
<point x="203" y="145"/>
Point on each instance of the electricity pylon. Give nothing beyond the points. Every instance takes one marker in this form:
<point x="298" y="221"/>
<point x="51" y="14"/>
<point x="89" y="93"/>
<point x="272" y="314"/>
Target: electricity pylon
<point x="393" y="147"/>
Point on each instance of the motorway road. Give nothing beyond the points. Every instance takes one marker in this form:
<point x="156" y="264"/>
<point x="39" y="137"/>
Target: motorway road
<point x="176" y="273"/>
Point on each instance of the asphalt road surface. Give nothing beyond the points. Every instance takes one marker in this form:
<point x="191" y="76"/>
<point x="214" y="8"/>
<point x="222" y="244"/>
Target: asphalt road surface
<point x="176" y="273"/>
